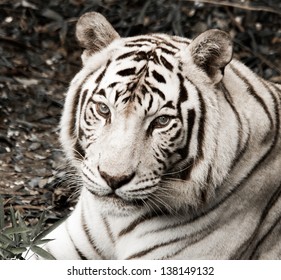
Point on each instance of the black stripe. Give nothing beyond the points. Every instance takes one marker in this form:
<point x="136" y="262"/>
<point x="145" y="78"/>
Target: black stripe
<point x="166" y="63"/>
<point x="194" y="238"/>
<point x="201" y="129"/>
<point x="81" y="100"/>
<point x="100" y="92"/>
<point x="80" y="133"/>
<point x="158" y="77"/>
<point x="158" y="91"/>
<point x="253" y="93"/>
<point x="248" y="243"/>
<point x="150" y="249"/>
<point x="169" y="104"/>
<point x="100" y="76"/>
<point x="147" y="39"/>
<point x="90" y="237"/>
<point x="255" y="253"/>
<point x="229" y="100"/>
<point x="176" y="136"/>
<point x="118" y="93"/>
<point x="166" y="42"/>
<point x="276" y="195"/>
<point x="191" y="115"/>
<point x="126" y="99"/>
<point x="79" y="253"/>
<point x="164" y="50"/>
<point x="127" y="72"/>
<point x="139" y="100"/>
<point x="132" y="44"/>
<point x="112" y="85"/>
<point x="108" y="229"/>
<point x="183" y="95"/>
<point x="154" y="57"/>
<point x="191" y="239"/>
<point x="141" y="55"/>
<point x="138" y="221"/>
<point x="184" y="152"/>
<point x="255" y="167"/>
<point x="276" y="108"/>
<point x="73" y="117"/>
<point x="150" y="102"/>
<point x="125" y="55"/>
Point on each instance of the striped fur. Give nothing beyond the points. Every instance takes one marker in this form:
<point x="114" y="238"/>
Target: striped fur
<point x="178" y="151"/>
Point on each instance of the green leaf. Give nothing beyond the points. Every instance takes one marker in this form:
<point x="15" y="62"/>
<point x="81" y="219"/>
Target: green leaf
<point x="42" y="241"/>
<point x="6" y="240"/>
<point x="2" y="214"/>
<point x="16" y="230"/>
<point x="6" y="254"/>
<point x="13" y="217"/>
<point x="39" y="226"/>
<point x="48" y="230"/>
<point x="42" y="253"/>
<point x="24" y="235"/>
<point x="14" y="224"/>
<point x="16" y="251"/>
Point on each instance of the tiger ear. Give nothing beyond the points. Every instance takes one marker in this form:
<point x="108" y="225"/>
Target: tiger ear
<point x="212" y="51"/>
<point x="94" y="32"/>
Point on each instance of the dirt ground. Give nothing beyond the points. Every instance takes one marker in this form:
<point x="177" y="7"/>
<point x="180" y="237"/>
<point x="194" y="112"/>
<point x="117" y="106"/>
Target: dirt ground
<point x="39" y="55"/>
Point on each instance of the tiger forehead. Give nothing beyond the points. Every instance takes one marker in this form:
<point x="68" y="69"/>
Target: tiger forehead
<point x="141" y="72"/>
<point x="154" y="48"/>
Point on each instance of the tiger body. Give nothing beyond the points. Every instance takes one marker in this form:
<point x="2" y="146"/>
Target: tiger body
<point x="177" y="148"/>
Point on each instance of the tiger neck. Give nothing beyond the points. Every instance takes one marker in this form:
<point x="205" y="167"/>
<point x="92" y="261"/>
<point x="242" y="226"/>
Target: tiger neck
<point x="249" y="132"/>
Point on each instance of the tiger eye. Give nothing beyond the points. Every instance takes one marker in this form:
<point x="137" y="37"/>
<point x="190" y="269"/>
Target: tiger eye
<point x="162" y="121"/>
<point x="103" y="109"/>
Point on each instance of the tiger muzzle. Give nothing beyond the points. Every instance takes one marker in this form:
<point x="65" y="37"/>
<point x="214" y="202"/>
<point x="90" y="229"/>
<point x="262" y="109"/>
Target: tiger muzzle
<point x="116" y="182"/>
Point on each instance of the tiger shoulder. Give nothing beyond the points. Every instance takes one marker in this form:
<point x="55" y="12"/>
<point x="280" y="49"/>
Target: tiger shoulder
<point x="176" y="149"/>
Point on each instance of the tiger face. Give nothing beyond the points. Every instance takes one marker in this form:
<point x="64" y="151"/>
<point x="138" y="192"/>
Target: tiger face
<point x="135" y="125"/>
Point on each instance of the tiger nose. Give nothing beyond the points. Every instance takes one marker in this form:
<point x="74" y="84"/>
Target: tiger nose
<point x="116" y="182"/>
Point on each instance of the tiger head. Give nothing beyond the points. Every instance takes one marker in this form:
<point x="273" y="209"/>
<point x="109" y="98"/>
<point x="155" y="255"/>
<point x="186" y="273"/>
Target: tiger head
<point x="140" y="119"/>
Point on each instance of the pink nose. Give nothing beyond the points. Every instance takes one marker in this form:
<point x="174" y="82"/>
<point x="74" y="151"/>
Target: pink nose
<point x="115" y="182"/>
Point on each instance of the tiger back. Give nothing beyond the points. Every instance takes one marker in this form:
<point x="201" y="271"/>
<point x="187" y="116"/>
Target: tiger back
<point x="176" y="147"/>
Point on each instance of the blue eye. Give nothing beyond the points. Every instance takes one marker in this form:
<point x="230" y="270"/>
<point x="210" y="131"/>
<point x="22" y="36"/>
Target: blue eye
<point x="161" y="121"/>
<point x="103" y="110"/>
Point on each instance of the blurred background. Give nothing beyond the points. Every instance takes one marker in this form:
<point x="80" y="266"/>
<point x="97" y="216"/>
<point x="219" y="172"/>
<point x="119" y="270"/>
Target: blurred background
<point x="39" y="56"/>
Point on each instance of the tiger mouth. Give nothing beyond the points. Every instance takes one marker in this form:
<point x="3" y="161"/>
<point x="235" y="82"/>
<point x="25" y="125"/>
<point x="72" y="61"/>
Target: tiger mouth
<point x="134" y="202"/>
<point x="117" y="200"/>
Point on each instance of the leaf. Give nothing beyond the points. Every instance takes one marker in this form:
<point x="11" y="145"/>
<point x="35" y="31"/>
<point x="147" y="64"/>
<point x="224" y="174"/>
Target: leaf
<point x="2" y="221"/>
<point x="14" y="224"/>
<point x="16" y="251"/>
<point x="24" y="235"/>
<point x="38" y="226"/>
<point x="6" y="254"/>
<point x="42" y="241"/>
<point x="6" y="240"/>
<point x="48" y="230"/>
<point x="13" y="217"/>
<point x="16" y="230"/>
<point x="41" y="252"/>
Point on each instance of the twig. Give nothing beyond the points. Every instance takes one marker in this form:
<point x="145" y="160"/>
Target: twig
<point x="17" y="43"/>
<point x="235" y="22"/>
<point x="239" y="6"/>
<point x="259" y="56"/>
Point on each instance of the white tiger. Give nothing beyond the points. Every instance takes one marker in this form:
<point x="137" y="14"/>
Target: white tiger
<point x="177" y="146"/>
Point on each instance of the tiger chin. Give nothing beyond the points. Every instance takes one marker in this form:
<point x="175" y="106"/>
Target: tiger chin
<point x="177" y="146"/>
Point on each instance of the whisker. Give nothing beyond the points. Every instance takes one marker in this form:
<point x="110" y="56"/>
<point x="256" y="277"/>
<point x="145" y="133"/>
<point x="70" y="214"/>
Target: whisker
<point x="180" y="170"/>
